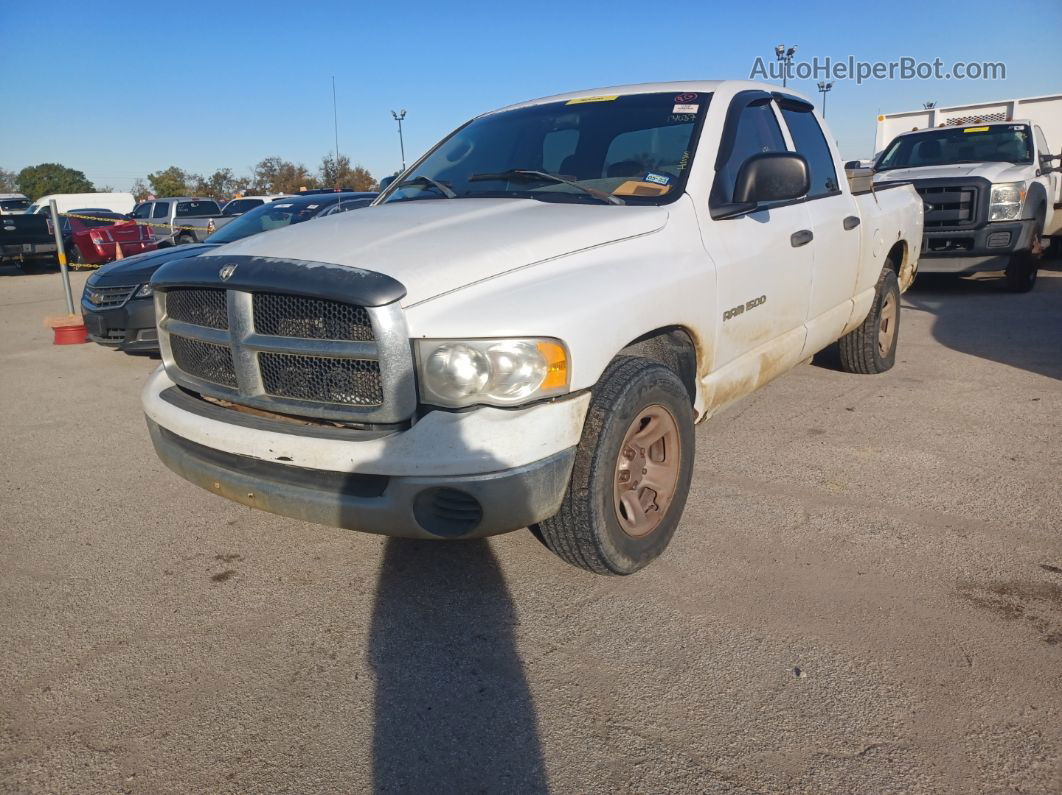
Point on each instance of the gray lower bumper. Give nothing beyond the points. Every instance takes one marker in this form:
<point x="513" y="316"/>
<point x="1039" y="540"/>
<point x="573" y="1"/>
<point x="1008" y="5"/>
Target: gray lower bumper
<point x="468" y="506"/>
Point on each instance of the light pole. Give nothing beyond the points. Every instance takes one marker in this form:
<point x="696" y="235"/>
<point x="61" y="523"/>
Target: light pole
<point x="823" y="88"/>
<point x="785" y="56"/>
<point x="398" y="116"/>
<point x="929" y="105"/>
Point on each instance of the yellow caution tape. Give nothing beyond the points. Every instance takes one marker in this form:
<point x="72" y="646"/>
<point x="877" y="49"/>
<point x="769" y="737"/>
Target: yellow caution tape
<point x="133" y="220"/>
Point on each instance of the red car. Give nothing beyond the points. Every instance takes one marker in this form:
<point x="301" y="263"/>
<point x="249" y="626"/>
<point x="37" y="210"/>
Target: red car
<point x="91" y="237"/>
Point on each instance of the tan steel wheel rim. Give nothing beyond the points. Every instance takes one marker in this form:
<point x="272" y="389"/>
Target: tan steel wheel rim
<point x="647" y="471"/>
<point x="887" y="327"/>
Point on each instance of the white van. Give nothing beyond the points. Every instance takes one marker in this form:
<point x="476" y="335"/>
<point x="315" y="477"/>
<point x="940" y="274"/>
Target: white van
<point x="13" y="203"/>
<point x="65" y="202"/>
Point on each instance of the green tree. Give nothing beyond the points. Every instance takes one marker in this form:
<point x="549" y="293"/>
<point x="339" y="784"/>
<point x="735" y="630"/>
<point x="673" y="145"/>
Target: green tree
<point x="8" y="181"/>
<point x="37" y="181"/>
<point x="172" y="181"/>
<point x="222" y="184"/>
<point x="276" y="175"/>
<point x="338" y="173"/>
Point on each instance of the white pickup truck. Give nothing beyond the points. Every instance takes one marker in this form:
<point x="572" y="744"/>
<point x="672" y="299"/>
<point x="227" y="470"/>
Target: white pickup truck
<point x="989" y="179"/>
<point x="525" y="327"/>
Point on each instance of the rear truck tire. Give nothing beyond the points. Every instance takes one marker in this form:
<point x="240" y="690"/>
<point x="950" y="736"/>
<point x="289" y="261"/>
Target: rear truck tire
<point x="631" y="474"/>
<point x="184" y="240"/>
<point x="871" y="348"/>
<point x="1024" y="265"/>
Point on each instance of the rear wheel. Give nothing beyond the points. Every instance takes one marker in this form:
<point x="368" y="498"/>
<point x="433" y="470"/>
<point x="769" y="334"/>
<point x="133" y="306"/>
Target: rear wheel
<point x="1024" y="265"/>
<point x="632" y="471"/>
<point x="73" y="255"/>
<point x="871" y="348"/>
<point x="183" y="240"/>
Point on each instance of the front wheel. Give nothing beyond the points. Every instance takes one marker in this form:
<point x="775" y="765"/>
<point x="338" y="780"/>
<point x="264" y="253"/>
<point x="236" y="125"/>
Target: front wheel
<point x="632" y="471"/>
<point x="1024" y="265"/>
<point x="871" y="348"/>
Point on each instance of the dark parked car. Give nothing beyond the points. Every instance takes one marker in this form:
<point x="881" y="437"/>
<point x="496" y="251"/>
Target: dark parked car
<point x="117" y="304"/>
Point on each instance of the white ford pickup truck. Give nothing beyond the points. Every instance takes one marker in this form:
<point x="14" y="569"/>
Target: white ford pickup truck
<point x="526" y="326"/>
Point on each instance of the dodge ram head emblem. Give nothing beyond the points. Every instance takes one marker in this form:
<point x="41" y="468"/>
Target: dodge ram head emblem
<point x="226" y="271"/>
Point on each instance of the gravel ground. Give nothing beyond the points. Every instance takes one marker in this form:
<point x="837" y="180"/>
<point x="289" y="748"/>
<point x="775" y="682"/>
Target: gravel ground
<point x="865" y="595"/>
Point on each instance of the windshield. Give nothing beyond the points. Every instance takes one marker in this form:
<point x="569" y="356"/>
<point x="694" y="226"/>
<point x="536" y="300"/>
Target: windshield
<point x="14" y="204"/>
<point x="240" y="206"/>
<point x="638" y="148"/>
<point x="270" y="216"/>
<point x="1008" y="143"/>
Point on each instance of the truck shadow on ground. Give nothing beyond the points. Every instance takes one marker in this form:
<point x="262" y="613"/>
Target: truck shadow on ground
<point x="978" y="317"/>
<point x="453" y="707"/>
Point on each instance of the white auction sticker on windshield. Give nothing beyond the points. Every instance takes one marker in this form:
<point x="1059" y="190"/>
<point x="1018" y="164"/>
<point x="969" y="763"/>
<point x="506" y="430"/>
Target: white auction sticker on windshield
<point x="686" y="109"/>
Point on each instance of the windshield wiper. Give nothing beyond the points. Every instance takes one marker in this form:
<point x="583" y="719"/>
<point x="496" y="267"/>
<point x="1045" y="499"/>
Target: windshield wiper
<point x="422" y="180"/>
<point x="528" y="174"/>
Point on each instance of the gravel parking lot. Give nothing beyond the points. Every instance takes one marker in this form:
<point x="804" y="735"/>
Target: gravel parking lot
<point x="865" y="596"/>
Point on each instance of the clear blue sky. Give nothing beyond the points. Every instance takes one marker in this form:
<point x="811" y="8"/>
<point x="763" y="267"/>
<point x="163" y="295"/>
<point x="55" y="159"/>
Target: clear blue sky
<point x="121" y="89"/>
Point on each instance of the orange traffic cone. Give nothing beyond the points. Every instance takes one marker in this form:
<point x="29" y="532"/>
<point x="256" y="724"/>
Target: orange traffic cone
<point x="118" y="251"/>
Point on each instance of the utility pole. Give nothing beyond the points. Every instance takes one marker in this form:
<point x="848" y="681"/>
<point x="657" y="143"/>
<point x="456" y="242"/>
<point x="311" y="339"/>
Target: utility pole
<point x="785" y="57"/>
<point x="823" y="89"/>
<point x="335" y="124"/>
<point x="398" y="116"/>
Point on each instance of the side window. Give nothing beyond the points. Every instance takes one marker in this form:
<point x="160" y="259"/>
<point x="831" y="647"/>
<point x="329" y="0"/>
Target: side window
<point x="557" y="147"/>
<point x="142" y="210"/>
<point x="162" y="209"/>
<point x="811" y="143"/>
<point x="757" y="131"/>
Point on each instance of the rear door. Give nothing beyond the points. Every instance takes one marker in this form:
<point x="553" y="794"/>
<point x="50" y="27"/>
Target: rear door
<point x="160" y="219"/>
<point x="764" y="260"/>
<point x="835" y="224"/>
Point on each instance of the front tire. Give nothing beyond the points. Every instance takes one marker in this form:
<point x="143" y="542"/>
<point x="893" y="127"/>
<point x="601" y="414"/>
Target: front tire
<point x="631" y="474"/>
<point x="1023" y="266"/>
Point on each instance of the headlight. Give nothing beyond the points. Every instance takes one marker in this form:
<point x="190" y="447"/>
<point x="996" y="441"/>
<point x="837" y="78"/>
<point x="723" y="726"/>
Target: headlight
<point x="1007" y="198"/>
<point x="500" y="372"/>
<point x="145" y="291"/>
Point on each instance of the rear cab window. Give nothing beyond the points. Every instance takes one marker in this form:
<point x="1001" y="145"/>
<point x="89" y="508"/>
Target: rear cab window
<point x="161" y="210"/>
<point x="193" y="208"/>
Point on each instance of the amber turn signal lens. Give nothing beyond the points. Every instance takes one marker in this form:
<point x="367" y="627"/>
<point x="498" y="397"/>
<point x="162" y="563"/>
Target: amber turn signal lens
<point x="556" y="365"/>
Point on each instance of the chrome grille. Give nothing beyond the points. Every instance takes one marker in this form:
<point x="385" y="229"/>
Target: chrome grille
<point x="310" y="318"/>
<point x="352" y="381"/>
<point x="301" y="355"/>
<point x="198" y="306"/>
<point x="108" y="297"/>
<point x="204" y="360"/>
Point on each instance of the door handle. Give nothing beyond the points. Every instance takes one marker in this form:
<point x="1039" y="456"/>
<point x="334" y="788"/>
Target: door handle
<point x="801" y="238"/>
<point x="851" y="222"/>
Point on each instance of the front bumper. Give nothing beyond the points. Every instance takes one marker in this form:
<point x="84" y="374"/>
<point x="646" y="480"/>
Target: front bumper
<point x="130" y="327"/>
<point x="987" y="248"/>
<point x="451" y="506"/>
<point x="452" y="474"/>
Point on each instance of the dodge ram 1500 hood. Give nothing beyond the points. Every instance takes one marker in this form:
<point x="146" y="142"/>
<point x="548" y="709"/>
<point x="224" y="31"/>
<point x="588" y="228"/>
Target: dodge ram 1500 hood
<point x="995" y="172"/>
<point x="434" y="246"/>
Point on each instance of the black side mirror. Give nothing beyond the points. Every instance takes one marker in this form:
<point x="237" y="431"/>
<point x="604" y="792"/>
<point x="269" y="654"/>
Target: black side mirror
<point x="385" y="182"/>
<point x="771" y="177"/>
<point x="766" y="177"/>
<point x="851" y="165"/>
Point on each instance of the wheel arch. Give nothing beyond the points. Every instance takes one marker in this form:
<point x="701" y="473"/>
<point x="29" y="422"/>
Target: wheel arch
<point x="676" y="348"/>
